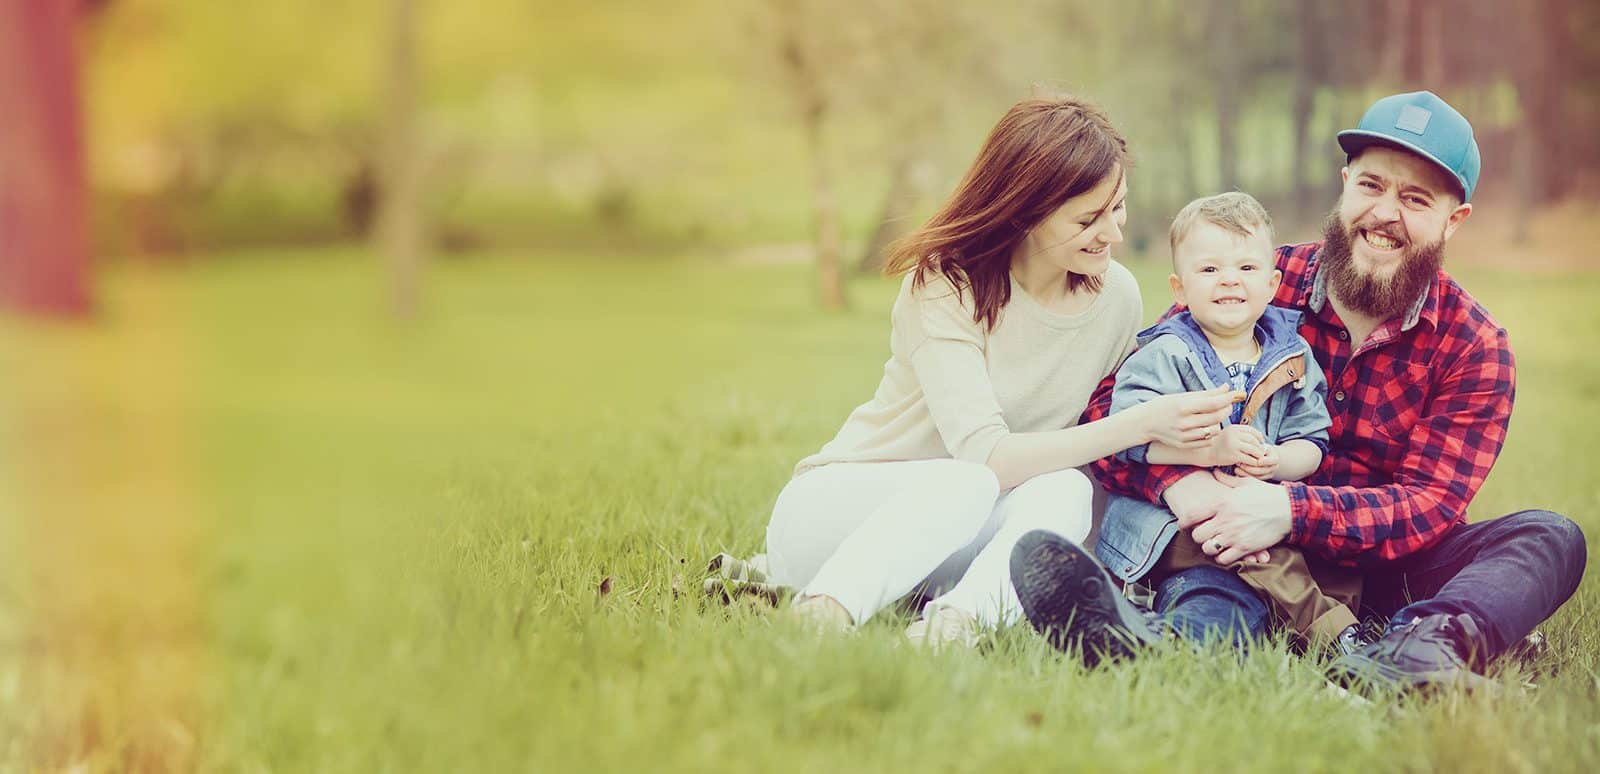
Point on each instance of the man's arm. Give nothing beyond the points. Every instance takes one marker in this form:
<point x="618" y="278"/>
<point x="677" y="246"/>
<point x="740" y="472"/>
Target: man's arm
<point x="1450" y="453"/>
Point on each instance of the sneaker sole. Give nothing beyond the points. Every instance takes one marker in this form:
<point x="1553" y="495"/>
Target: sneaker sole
<point x="1071" y="601"/>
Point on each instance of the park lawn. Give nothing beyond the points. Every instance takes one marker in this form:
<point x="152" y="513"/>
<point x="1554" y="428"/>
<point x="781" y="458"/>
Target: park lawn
<point x="251" y="524"/>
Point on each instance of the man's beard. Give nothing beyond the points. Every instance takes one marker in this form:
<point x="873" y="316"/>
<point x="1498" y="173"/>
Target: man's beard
<point x="1369" y="294"/>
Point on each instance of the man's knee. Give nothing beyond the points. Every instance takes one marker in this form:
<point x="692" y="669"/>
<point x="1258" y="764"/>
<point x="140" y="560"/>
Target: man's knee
<point x="1558" y="536"/>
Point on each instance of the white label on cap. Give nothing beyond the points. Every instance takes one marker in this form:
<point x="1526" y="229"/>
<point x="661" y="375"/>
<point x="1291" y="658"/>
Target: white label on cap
<point x="1413" y="119"/>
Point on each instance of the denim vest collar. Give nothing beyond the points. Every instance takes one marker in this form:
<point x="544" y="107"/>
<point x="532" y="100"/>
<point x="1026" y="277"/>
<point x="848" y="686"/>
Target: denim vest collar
<point x="1277" y="331"/>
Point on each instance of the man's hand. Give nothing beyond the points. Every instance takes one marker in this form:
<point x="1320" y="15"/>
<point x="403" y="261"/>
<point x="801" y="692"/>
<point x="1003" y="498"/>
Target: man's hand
<point x="1252" y="517"/>
<point x="1263" y="467"/>
<point x="1238" y="445"/>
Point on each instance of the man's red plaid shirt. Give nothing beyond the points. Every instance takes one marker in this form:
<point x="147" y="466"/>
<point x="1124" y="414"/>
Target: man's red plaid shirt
<point x="1420" y="412"/>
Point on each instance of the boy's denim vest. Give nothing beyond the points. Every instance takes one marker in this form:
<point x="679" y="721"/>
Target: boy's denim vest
<point x="1284" y="400"/>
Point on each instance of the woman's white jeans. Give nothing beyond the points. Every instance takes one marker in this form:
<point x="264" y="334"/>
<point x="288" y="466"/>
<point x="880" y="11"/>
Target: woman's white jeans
<point x="867" y="534"/>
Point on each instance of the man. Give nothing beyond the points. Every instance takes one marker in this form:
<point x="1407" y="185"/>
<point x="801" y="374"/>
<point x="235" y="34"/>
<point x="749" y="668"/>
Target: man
<point x="1420" y="389"/>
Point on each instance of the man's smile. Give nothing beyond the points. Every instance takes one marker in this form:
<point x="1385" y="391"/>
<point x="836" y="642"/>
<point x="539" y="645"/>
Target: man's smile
<point x="1380" y="241"/>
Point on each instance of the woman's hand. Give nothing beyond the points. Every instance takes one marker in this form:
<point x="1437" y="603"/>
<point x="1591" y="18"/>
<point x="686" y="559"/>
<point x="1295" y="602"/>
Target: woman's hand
<point x="1188" y="420"/>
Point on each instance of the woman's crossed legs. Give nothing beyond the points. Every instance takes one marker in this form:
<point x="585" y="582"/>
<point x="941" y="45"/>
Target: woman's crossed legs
<point x="867" y="534"/>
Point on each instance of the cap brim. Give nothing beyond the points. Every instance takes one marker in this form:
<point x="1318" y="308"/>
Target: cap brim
<point x="1353" y="140"/>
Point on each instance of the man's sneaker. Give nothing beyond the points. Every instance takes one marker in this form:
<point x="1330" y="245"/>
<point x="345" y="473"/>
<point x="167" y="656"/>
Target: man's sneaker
<point x="940" y="626"/>
<point x="1531" y="648"/>
<point x="1435" y="650"/>
<point x="1071" y="601"/>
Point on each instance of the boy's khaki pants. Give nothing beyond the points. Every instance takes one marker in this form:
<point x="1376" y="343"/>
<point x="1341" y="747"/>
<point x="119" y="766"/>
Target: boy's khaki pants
<point x="1313" y="598"/>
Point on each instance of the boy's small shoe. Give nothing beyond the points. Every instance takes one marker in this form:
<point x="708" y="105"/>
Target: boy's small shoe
<point x="1072" y="601"/>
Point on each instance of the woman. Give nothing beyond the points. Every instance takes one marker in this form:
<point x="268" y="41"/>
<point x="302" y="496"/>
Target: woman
<point x="1010" y="314"/>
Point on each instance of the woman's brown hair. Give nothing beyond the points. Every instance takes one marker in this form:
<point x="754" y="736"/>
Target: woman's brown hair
<point x="1043" y="152"/>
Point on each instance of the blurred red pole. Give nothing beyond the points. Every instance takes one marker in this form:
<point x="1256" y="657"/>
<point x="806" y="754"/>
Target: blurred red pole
<point x="44" y="252"/>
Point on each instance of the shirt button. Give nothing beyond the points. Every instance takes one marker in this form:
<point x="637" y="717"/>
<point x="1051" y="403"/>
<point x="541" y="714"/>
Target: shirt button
<point x="1344" y="335"/>
<point x="1339" y="396"/>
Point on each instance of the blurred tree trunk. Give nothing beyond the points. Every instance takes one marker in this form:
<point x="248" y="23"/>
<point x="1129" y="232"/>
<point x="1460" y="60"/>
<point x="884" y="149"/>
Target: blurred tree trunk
<point x="825" y="204"/>
<point x="893" y="215"/>
<point x="1542" y="142"/>
<point x="1308" y="66"/>
<point x="1394" y="42"/>
<point x="359" y="199"/>
<point x="1225" y="42"/>
<point x="44" y="251"/>
<point x="804" y="76"/>
<point x="1183" y="141"/>
<point x="1430" y="44"/>
<point x="400" y="218"/>
<point x="1550" y="116"/>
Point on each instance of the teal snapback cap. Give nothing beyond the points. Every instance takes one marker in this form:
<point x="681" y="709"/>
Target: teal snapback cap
<point x="1426" y="125"/>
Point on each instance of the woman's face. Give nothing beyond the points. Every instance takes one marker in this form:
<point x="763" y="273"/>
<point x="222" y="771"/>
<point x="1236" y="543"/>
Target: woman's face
<point x="1078" y="236"/>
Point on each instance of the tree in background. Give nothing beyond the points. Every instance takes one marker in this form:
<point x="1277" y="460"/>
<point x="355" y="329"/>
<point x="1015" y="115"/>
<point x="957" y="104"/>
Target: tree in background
<point x="597" y="123"/>
<point x="933" y="61"/>
<point x="401" y="231"/>
<point x="44" y="254"/>
<point x="1227" y="78"/>
<point x="813" y="47"/>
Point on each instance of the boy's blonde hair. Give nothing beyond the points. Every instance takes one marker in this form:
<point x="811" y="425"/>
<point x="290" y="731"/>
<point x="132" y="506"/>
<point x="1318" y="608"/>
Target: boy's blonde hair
<point x="1233" y="211"/>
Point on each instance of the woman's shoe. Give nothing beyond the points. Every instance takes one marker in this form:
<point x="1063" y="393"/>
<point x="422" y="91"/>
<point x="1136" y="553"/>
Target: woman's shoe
<point x="821" y="613"/>
<point x="940" y="626"/>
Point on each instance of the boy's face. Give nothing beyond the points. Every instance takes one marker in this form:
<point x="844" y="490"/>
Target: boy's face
<point x="1226" y="280"/>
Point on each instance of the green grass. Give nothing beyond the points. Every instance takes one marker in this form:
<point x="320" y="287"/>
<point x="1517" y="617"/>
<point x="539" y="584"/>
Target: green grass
<point x="351" y="545"/>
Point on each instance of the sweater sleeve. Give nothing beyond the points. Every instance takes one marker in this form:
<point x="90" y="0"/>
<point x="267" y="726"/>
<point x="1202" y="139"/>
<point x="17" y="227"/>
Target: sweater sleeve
<point x="946" y="351"/>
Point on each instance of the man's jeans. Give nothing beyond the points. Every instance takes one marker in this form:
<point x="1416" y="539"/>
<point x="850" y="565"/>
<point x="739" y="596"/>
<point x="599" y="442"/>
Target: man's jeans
<point x="1508" y="573"/>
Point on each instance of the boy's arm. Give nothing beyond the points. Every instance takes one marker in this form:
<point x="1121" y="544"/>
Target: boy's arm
<point x="1297" y="459"/>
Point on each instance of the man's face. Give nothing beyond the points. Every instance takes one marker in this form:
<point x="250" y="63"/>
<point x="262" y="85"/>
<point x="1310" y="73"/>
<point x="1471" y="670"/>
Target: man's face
<point x="1385" y="241"/>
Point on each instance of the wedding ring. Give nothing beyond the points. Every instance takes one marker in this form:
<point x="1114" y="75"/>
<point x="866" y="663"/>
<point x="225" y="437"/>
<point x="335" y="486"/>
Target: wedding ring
<point x="1216" y="545"/>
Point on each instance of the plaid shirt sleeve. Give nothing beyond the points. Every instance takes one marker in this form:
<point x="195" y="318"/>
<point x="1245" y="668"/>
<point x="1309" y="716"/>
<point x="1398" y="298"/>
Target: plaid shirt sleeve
<point x="1448" y="454"/>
